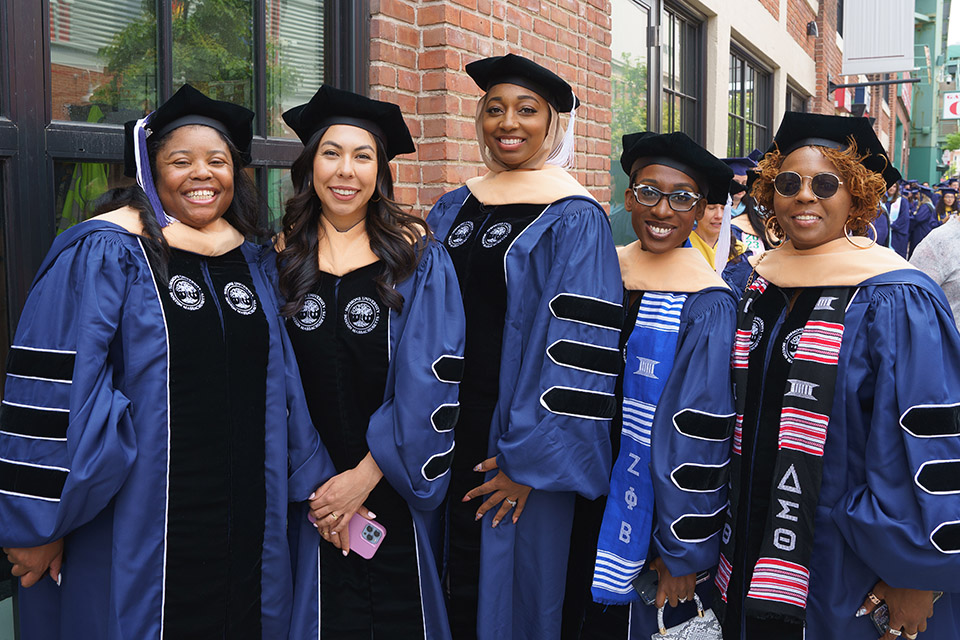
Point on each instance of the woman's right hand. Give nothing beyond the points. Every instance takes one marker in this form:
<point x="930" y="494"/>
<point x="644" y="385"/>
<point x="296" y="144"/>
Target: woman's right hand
<point x="908" y="608"/>
<point x="31" y="563"/>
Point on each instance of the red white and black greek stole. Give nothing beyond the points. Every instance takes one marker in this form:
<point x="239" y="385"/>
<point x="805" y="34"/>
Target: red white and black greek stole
<point x="781" y="577"/>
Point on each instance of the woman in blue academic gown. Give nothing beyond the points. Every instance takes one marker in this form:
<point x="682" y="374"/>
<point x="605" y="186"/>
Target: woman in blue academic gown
<point x="898" y="213"/>
<point x="844" y="490"/>
<point x="152" y="431"/>
<point x="373" y="310"/>
<point x="541" y="291"/>
<point x="675" y="400"/>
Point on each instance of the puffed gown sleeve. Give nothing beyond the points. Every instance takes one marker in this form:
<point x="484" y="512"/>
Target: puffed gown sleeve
<point x="904" y="521"/>
<point x="557" y="436"/>
<point x="690" y="447"/>
<point x="67" y="440"/>
<point x="411" y="435"/>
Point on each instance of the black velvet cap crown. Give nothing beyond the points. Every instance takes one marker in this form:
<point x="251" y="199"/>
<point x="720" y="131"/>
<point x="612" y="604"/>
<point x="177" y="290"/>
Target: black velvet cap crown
<point x="189" y="106"/>
<point x="806" y="129"/>
<point x="514" y="69"/>
<point x="679" y="151"/>
<point x="330" y="106"/>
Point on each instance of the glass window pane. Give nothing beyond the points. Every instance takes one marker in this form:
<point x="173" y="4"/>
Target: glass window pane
<point x="103" y="59"/>
<point x="279" y="190"/>
<point x="79" y="184"/>
<point x="213" y="48"/>
<point x="294" y="57"/>
<point x="629" y="83"/>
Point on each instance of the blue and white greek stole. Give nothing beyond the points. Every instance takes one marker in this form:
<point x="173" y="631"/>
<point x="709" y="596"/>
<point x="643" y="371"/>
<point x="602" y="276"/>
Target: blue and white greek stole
<point x="628" y="517"/>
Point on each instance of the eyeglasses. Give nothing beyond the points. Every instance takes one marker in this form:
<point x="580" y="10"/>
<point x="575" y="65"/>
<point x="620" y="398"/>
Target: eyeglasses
<point x="824" y="185"/>
<point x="679" y="201"/>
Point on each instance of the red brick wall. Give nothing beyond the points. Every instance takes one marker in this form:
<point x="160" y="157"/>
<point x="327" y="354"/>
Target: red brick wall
<point x="773" y="7"/>
<point x="827" y="57"/>
<point x="799" y="13"/>
<point x="418" y="50"/>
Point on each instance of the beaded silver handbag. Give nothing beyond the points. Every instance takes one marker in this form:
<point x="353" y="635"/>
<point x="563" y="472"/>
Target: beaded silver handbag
<point x="703" y="626"/>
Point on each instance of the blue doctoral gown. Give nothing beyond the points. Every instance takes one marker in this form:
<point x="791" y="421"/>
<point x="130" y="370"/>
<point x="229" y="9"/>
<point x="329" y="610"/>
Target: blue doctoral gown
<point x="900" y="227"/>
<point x="922" y="222"/>
<point x="102" y="488"/>
<point x="563" y="265"/>
<point x="411" y="436"/>
<point x="889" y="503"/>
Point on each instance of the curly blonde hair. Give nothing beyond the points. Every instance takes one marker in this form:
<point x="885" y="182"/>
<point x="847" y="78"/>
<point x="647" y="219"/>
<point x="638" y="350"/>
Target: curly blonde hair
<point x="865" y="186"/>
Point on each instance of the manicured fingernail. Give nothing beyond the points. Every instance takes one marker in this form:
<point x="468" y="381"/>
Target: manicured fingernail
<point x="344" y="551"/>
<point x="312" y="495"/>
<point x="479" y="467"/>
<point x="59" y="575"/>
<point x="478" y="517"/>
<point x="465" y="499"/>
<point x="371" y="515"/>
<point x="495" y="523"/>
<point x="862" y="611"/>
<point x="514" y="519"/>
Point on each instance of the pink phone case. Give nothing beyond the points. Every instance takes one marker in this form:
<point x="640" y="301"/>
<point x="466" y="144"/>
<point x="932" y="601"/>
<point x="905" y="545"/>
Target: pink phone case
<point x="366" y="536"/>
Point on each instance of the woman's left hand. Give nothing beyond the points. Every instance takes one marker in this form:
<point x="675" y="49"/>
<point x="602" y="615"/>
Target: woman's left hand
<point x="908" y="608"/>
<point x="675" y="589"/>
<point x="337" y="499"/>
<point x="506" y="493"/>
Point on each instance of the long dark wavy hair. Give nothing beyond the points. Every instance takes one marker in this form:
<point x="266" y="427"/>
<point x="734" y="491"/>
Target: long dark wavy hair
<point x="389" y="228"/>
<point x="243" y="213"/>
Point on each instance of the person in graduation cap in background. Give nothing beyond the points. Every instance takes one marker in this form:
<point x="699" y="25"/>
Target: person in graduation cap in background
<point x="154" y="427"/>
<point x="846" y="367"/>
<point x="947" y="207"/>
<point x="897" y="207"/>
<point x="675" y="400"/>
<point x="924" y="217"/>
<point x="938" y="256"/>
<point x="541" y="290"/>
<point x="746" y="221"/>
<point x="373" y="309"/>
<point x="729" y="258"/>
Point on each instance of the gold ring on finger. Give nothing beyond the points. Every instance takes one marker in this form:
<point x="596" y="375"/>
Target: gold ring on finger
<point x="334" y="516"/>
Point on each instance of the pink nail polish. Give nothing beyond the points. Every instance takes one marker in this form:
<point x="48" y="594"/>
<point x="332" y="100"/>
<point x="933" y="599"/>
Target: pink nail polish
<point x="478" y="468"/>
<point x="345" y="552"/>
<point x="371" y="515"/>
<point x="312" y="496"/>
<point x="478" y="517"/>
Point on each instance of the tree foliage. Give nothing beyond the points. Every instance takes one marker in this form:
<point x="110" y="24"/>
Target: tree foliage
<point x="629" y="112"/>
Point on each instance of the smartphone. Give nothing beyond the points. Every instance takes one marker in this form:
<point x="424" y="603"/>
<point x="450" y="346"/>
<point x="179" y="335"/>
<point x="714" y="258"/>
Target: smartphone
<point x="366" y="536"/>
<point x="646" y="584"/>
<point x="880" y="616"/>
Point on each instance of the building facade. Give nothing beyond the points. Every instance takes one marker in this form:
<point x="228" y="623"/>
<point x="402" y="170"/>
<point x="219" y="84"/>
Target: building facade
<point x="72" y="71"/>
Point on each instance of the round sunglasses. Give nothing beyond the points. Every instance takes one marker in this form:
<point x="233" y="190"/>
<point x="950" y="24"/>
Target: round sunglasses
<point x="679" y="201"/>
<point x="824" y="185"/>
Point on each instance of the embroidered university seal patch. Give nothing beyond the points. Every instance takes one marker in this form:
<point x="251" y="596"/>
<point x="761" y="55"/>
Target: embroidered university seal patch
<point x="459" y="235"/>
<point x="311" y="314"/>
<point x="186" y="293"/>
<point x="496" y="234"/>
<point x="240" y="298"/>
<point x="361" y="315"/>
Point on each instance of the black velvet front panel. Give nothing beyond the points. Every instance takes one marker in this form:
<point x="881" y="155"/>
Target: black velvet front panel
<point x="217" y="498"/>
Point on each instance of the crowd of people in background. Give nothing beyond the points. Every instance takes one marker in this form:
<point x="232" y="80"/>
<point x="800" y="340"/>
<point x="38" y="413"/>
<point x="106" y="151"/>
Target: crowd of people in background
<point x="732" y="409"/>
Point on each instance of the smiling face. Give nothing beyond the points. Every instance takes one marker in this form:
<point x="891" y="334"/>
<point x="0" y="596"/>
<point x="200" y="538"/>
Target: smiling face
<point x="345" y="173"/>
<point x="807" y="220"/>
<point x="660" y="228"/>
<point x="949" y="199"/>
<point x="194" y="175"/>
<point x="514" y="123"/>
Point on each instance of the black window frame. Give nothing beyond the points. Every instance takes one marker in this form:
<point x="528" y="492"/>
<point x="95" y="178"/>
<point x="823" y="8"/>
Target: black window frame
<point x="693" y="58"/>
<point x="31" y="142"/>
<point x="763" y="104"/>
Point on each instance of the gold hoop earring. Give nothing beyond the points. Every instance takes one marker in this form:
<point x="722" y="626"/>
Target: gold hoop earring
<point x="849" y="235"/>
<point x="775" y="234"/>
